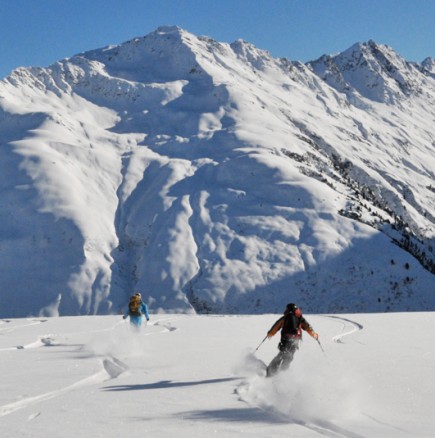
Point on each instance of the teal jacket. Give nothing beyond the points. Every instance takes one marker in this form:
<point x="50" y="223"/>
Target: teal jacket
<point x="143" y="309"/>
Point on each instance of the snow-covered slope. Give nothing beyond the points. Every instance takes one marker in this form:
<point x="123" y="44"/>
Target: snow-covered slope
<point x="192" y="376"/>
<point x="215" y="178"/>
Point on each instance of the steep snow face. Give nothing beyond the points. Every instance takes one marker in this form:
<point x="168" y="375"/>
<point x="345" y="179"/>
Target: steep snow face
<point x="215" y="178"/>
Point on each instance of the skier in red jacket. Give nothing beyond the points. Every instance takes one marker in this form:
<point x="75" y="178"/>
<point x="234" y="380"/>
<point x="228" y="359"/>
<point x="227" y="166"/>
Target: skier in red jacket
<point x="291" y="325"/>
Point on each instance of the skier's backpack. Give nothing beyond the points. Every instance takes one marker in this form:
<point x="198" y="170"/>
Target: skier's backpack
<point x="291" y="326"/>
<point x="133" y="305"/>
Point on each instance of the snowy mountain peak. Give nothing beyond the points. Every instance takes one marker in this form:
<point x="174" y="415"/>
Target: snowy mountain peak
<point x="154" y="57"/>
<point x="429" y="65"/>
<point x="216" y="178"/>
<point x="168" y="29"/>
<point x="251" y="54"/>
<point x="372" y="70"/>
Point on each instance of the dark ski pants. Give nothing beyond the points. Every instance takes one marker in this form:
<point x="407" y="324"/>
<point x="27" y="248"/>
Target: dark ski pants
<point x="283" y="359"/>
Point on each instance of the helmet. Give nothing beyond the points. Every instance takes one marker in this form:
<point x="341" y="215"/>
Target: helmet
<point x="292" y="308"/>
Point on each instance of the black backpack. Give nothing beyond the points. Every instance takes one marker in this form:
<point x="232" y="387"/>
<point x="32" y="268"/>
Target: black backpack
<point x="291" y="325"/>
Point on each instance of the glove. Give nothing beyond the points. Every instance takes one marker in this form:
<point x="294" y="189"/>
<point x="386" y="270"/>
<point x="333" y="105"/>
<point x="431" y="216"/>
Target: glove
<point x="315" y="336"/>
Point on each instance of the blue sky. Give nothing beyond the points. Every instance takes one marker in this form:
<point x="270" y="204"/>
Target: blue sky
<point x="40" y="32"/>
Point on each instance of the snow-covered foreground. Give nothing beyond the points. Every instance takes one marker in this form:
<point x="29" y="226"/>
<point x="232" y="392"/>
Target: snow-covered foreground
<point x="196" y="376"/>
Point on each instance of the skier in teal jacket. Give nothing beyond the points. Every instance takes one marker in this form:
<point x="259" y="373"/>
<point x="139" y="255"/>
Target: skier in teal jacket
<point x="137" y="309"/>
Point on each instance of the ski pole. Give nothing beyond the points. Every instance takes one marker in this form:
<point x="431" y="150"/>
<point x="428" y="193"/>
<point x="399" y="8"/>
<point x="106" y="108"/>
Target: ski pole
<point x="261" y="343"/>
<point x="320" y="345"/>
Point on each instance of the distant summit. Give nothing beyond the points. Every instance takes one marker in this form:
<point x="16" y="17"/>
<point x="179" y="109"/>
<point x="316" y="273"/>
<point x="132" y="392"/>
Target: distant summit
<point x="215" y="178"/>
<point x="374" y="71"/>
<point x="429" y="65"/>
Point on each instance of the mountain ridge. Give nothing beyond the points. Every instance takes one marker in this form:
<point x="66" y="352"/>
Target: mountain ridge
<point x="164" y="141"/>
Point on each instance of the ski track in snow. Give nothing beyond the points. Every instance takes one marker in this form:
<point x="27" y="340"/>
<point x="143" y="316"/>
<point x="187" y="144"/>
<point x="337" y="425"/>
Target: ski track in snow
<point x="43" y="340"/>
<point x="111" y="368"/>
<point x="50" y="340"/>
<point x="13" y="328"/>
<point x="98" y="377"/>
<point x="167" y="327"/>
<point x="328" y="428"/>
<point x="355" y="326"/>
<point x="321" y="427"/>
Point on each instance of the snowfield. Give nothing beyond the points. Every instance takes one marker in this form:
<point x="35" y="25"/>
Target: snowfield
<point x="196" y="376"/>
